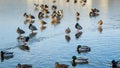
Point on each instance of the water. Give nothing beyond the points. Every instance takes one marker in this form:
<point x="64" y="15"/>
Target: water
<point x="50" y="45"/>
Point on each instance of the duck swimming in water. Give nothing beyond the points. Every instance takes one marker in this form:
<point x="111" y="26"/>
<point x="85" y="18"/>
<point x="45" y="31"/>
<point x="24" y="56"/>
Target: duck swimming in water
<point x="115" y="64"/>
<point x="57" y="65"/>
<point x="6" y="55"/>
<point x="79" y="60"/>
<point x="83" y="48"/>
<point x="24" y="66"/>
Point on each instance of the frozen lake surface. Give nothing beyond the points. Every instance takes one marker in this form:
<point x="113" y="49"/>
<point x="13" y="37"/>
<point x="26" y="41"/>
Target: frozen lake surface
<point x="49" y="45"/>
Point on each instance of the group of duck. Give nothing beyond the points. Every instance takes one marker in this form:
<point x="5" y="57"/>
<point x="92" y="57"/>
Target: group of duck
<point x="56" y="16"/>
<point x="94" y="12"/>
<point x="80" y="49"/>
<point x="78" y="27"/>
<point x="81" y="60"/>
<point x="75" y="1"/>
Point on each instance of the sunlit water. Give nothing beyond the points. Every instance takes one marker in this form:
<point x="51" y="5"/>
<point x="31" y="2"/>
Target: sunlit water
<point x="49" y="45"/>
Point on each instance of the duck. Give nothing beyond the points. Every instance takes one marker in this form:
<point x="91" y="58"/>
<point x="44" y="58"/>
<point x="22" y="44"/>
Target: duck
<point x="77" y="14"/>
<point x="67" y="0"/>
<point x="6" y="54"/>
<point x="26" y="16"/>
<point x="54" y="1"/>
<point x="36" y="5"/>
<point x="31" y="17"/>
<point x="42" y="22"/>
<point x="24" y="39"/>
<point x="40" y="15"/>
<point x="79" y="60"/>
<point x="46" y="16"/>
<point x="58" y="65"/>
<point x="77" y="26"/>
<point x="24" y="66"/>
<point x="84" y="1"/>
<point x="83" y="48"/>
<point x="115" y="64"/>
<point x="100" y="22"/>
<point x="32" y="27"/>
<point x="46" y="11"/>
<point x="45" y="5"/>
<point x="20" y="31"/>
<point x="96" y="10"/>
<point x="75" y="1"/>
<point x="60" y="13"/>
<point x="54" y="7"/>
<point x="55" y="20"/>
<point x="68" y="30"/>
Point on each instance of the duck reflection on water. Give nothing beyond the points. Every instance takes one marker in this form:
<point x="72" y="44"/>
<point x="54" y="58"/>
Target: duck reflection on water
<point x="78" y="34"/>
<point x="100" y="29"/>
<point x="36" y="6"/>
<point x="24" y="47"/>
<point x="31" y="35"/>
<point x="68" y="38"/>
<point x="43" y="28"/>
